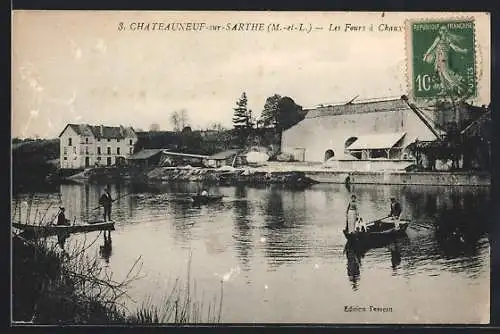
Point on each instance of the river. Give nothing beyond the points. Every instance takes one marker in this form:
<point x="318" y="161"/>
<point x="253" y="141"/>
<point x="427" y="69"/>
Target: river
<point x="281" y="253"/>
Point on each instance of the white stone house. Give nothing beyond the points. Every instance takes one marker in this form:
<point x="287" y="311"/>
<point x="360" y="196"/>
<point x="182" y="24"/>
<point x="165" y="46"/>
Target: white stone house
<point x="84" y="145"/>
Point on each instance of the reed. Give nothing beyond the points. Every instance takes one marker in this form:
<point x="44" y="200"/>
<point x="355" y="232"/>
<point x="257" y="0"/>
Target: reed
<point x="181" y="306"/>
<point x="53" y="286"/>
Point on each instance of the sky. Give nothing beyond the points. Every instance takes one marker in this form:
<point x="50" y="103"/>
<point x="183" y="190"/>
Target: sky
<point x="77" y="67"/>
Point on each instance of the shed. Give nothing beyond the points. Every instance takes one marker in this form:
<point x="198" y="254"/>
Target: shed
<point x="146" y="157"/>
<point x="224" y="158"/>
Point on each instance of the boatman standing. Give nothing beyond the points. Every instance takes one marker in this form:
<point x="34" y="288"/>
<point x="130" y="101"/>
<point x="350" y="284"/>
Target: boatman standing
<point x="395" y="208"/>
<point x="106" y="202"/>
<point x="61" y="217"/>
<point x="352" y="215"/>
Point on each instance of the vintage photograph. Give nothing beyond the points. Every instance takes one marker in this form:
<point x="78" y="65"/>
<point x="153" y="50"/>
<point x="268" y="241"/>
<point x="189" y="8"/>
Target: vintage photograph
<point x="197" y="167"/>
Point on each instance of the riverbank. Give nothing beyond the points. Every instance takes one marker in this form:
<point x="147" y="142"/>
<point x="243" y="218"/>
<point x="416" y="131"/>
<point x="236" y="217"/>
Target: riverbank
<point x="295" y="174"/>
<point x="287" y="173"/>
<point x="51" y="286"/>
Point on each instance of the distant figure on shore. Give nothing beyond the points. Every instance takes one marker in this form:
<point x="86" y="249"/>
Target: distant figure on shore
<point x="61" y="218"/>
<point x="352" y="215"/>
<point x="106" y="202"/>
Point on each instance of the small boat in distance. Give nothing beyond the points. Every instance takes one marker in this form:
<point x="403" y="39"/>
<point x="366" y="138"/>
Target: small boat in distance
<point x="380" y="230"/>
<point x="206" y="199"/>
<point x="48" y="230"/>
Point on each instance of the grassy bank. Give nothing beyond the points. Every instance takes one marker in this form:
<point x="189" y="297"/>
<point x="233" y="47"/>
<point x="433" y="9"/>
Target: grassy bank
<point x="54" y="285"/>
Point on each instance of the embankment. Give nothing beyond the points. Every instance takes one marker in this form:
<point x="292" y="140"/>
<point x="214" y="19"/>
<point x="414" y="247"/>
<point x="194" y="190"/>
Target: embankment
<point x="229" y="176"/>
<point x="395" y="177"/>
<point x="307" y="175"/>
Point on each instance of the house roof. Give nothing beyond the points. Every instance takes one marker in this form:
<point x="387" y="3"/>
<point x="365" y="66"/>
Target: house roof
<point x="376" y="141"/>
<point x="224" y="155"/>
<point x="145" y="154"/>
<point x="357" y="108"/>
<point x="101" y="131"/>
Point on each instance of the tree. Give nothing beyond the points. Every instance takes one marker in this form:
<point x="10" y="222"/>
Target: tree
<point x="241" y="115"/>
<point x="281" y="113"/>
<point x="216" y="127"/>
<point x="289" y="113"/>
<point x="268" y="117"/>
<point x="242" y="120"/>
<point x="179" y="119"/>
<point x="190" y="140"/>
<point x="154" y="127"/>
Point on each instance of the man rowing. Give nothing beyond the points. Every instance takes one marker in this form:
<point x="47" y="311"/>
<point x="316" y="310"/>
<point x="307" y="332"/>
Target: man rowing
<point x="395" y="209"/>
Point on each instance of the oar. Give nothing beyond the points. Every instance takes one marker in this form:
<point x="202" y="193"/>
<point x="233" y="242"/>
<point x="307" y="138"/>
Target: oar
<point x="378" y="220"/>
<point x="97" y="207"/>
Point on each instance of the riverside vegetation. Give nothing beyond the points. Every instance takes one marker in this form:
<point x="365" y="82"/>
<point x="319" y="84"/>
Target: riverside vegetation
<point x="51" y="285"/>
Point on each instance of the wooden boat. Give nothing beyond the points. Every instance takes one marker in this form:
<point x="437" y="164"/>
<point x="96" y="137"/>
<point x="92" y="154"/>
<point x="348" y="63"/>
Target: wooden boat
<point x="380" y="230"/>
<point x="48" y="230"/>
<point x="206" y="199"/>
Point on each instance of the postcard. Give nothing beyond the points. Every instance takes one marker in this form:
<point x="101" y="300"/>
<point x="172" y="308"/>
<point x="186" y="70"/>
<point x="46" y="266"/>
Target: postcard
<point x="250" y="167"/>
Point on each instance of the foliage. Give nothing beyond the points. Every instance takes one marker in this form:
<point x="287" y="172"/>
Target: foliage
<point x="242" y="120"/>
<point x="269" y="115"/>
<point x="33" y="160"/>
<point x="281" y="113"/>
<point x="179" y="119"/>
<point x="289" y="113"/>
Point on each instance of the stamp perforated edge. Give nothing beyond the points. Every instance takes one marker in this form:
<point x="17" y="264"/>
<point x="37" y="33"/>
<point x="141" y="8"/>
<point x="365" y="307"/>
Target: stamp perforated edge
<point x="478" y="71"/>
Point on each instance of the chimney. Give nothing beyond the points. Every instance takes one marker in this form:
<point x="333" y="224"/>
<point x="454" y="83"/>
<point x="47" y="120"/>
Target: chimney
<point x="101" y="129"/>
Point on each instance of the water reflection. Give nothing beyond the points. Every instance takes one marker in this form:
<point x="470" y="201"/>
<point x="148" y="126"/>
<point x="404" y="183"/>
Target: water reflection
<point x="243" y="232"/>
<point x="395" y="250"/>
<point x="106" y="248"/>
<point x="353" y="255"/>
<point x="273" y="232"/>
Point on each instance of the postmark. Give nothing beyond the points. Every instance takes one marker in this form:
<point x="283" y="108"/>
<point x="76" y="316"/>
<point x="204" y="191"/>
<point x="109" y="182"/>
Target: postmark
<point x="441" y="58"/>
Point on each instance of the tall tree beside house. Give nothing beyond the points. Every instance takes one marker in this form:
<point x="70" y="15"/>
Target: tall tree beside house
<point x="281" y="113"/>
<point x="289" y="113"/>
<point x="242" y="119"/>
<point x="268" y="117"/>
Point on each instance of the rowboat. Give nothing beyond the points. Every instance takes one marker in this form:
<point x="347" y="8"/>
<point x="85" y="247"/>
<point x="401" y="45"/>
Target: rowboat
<point x="380" y="230"/>
<point x="206" y="199"/>
<point x="48" y="230"/>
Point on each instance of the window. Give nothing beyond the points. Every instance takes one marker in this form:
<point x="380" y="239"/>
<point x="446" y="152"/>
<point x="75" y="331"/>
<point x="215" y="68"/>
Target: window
<point x="69" y="141"/>
<point x="86" y="140"/>
<point x="131" y="143"/>
<point x="109" y="139"/>
<point x="117" y="140"/>
<point x="117" y="150"/>
<point x="65" y="150"/>
<point x="109" y="150"/>
<point x="86" y="150"/>
<point x="98" y="139"/>
<point x="65" y="158"/>
<point x="131" y="150"/>
<point x="98" y="150"/>
<point x="74" y="150"/>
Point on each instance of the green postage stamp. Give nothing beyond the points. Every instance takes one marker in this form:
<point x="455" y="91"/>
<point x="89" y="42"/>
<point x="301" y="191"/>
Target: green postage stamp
<point x="441" y="58"/>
